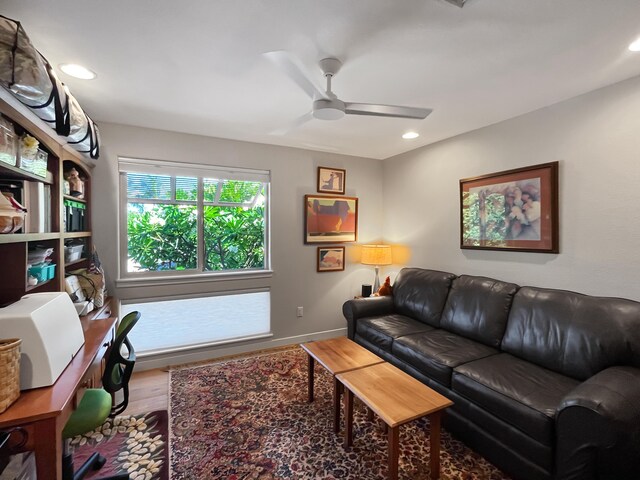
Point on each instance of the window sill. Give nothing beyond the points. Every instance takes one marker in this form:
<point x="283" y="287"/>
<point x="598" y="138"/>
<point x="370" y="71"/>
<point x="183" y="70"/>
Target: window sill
<point x="148" y="281"/>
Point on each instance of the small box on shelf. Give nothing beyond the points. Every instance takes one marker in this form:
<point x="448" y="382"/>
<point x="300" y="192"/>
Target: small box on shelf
<point x="36" y="163"/>
<point x="74" y="215"/>
<point x="42" y="272"/>
<point x="8" y="143"/>
<point x="73" y="253"/>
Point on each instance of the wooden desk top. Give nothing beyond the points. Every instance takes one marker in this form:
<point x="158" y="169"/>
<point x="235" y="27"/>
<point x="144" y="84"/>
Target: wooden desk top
<point x="396" y="397"/>
<point x="340" y="354"/>
<point x="45" y="402"/>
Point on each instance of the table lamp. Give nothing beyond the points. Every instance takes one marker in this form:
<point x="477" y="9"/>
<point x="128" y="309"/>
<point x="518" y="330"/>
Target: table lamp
<point x="376" y="255"/>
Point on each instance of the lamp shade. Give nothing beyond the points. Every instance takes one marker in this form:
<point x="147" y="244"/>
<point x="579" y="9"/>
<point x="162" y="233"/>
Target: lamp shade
<point x="376" y="255"/>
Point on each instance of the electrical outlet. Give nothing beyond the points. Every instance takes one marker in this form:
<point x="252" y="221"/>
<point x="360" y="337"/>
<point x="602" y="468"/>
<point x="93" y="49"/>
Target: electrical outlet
<point x="299" y="312"/>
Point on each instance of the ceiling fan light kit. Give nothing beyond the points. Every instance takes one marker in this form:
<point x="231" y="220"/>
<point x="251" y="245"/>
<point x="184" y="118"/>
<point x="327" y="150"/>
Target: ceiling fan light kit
<point x="326" y="105"/>
<point x="332" y="109"/>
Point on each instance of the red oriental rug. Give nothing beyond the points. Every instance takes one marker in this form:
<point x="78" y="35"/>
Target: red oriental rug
<point x="136" y="445"/>
<point x="249" y="418"/>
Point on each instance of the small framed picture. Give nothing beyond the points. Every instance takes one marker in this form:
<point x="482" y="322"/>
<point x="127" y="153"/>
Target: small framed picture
<point x="330" y="259"/>
<point x="331" y="180"/>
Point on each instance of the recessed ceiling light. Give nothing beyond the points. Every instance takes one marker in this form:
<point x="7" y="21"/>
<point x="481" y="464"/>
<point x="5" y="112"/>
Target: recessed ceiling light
<point x="410" y="135"/>
<point x="77" y="71"/>
<point x="635" y="46"/>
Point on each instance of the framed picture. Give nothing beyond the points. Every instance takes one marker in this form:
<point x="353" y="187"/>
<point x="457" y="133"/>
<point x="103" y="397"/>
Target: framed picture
<point x="330" y="259"/>
<point x="330" y="219"/>
<point x="331" y="180"/>
<point x="512" y="210"/>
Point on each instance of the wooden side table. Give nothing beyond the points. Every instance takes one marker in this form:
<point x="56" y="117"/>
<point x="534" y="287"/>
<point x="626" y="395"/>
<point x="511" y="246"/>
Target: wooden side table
<point x="397" y="398"/>
<point x="337" y="355"/>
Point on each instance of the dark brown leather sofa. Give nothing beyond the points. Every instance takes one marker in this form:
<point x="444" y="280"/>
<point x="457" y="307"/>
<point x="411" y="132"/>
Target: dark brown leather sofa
<point x="545" y="383"/>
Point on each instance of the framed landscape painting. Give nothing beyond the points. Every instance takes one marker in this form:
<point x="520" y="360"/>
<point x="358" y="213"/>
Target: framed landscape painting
<point x="512" y="210"/>
<point x="331" y="180"/>
<point x="330" y="259"/>
<point x="329" y="219"/>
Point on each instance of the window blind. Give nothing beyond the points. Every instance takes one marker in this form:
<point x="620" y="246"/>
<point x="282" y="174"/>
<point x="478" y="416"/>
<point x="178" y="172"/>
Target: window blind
<point x="183" y="169"/>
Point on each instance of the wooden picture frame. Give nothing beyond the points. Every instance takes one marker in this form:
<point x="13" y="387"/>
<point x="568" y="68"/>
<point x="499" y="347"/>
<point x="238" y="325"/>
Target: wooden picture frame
<point x="513" y="210"/>
<point x="332" y="180"/>
<point x="330" y="259"/>
<point x="330" y="219"/>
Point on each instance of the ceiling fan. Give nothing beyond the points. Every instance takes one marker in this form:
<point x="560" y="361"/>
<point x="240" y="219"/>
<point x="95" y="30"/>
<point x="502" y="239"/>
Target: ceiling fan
<point x="326" y="105"/>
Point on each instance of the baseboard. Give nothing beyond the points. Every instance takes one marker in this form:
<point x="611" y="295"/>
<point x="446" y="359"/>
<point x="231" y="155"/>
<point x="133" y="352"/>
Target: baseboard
<point x="199" y="354"/>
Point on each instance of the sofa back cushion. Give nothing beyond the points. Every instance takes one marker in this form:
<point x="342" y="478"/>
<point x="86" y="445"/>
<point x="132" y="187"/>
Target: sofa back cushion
<point x="478" y="308"/>
<point x="573" y="334"/>
<point x="421" y="294"/>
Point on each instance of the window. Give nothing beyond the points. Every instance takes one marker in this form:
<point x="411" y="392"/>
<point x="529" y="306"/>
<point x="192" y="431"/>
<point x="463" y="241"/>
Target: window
<point x="192" y="219"/>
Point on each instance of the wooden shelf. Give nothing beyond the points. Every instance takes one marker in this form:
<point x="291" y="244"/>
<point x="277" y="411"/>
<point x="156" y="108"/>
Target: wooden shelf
<point x="80" y="260"/>
<point x="76" y="234"/>
<point x="9" y="171"/>
<point x="14" y="248"/>
<point x="33" y="287"/>
<point x="75" y="199"/>
<point x="28" y="237"/>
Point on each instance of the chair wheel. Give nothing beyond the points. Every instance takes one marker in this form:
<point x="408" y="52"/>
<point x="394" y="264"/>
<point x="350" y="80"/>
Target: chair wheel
<point x="99" y="463"/>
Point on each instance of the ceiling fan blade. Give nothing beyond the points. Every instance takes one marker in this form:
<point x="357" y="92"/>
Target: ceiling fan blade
<point x="293" y="125"/>
<point x="297" y="72"/>
<point x="386" y="110"/>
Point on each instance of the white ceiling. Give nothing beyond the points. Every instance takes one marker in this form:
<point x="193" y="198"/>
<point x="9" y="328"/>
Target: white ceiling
<point x="196" y="66"/>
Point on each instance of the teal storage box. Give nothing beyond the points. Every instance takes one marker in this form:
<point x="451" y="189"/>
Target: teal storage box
<point x="51" y="271"/>
<point x="39" y="271"/>
<point x="43" y="271"/>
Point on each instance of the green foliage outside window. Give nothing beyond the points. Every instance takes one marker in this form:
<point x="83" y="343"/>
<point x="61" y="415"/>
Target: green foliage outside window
<point x="165" y="236"/>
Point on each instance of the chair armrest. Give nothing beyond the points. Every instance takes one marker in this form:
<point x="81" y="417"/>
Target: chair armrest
<point x="365" y="307"/>
<point x="598" y="427"/>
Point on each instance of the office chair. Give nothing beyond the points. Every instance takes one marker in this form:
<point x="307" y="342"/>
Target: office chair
<point x="98" y="404"/>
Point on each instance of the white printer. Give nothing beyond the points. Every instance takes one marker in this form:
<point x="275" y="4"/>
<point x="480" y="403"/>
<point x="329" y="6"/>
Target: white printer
<point x="51" y="334"/>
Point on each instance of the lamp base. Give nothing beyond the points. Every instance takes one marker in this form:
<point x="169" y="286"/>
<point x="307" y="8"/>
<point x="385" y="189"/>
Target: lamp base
<point x="376" y="283"/>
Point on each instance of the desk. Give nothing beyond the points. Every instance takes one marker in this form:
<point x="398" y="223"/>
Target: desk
<point x="43" y="412"/>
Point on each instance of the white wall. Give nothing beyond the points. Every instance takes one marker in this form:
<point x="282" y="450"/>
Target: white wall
<point x="293" y="174"/>
<point x="596" y="139"/>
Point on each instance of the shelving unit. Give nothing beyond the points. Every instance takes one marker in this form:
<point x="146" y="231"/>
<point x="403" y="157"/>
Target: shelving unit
<point x="14" y="247"/>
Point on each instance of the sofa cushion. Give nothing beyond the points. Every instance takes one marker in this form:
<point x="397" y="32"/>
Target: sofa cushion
<point x="437" y="352"/>
<point x="381" y="331"/>
<point x="573" y="334"/>
<point x="421" y="294"/>
<point x="478" y="308"/>
<point x="520" y="393"/>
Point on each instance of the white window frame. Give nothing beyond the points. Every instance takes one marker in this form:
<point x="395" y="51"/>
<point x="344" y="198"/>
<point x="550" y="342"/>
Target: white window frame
<point x="199" y="171"/>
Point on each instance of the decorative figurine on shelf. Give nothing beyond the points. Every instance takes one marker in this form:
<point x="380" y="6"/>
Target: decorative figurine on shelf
<point x="76" y="184"/>
<point x="386" y="289"/>
<point x="29" y="146"/>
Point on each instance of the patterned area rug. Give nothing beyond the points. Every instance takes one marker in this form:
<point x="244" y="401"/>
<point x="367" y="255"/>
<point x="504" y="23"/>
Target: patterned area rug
<point x="249" y="419"/>
<point x="136" y="445"/>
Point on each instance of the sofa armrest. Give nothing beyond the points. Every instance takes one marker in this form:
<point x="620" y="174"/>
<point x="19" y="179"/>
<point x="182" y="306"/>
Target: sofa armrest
<point x="598" y="427"/>
<point x="365" y="307"/>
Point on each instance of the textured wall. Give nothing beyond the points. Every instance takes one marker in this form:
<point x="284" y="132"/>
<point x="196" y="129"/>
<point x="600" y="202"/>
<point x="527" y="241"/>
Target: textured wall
<point x="595" y="137"/>
<point x="293" y="174"/>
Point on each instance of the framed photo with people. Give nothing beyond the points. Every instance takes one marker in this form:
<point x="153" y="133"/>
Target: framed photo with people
<point x="330" y="219"/>
<point x="513" y="210"/>
<point x="331" y="180"/>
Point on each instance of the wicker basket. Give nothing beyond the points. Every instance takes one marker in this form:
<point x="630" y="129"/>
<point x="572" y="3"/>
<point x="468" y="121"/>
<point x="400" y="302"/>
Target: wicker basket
<point x="9" y="372"/>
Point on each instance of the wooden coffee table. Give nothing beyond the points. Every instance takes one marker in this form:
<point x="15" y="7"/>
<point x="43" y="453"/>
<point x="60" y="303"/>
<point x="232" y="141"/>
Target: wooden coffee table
<point x="397" y="398"/>
<point x="337" y="355"/>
